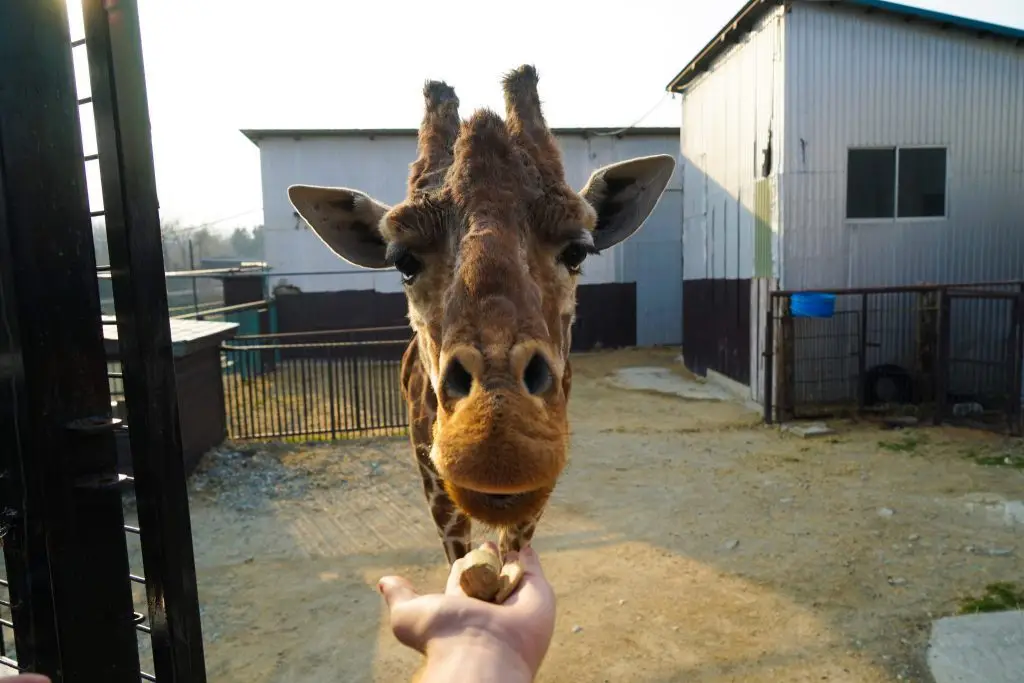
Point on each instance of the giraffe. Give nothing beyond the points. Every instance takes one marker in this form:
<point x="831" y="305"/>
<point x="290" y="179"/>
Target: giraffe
<point x="489" y="242"/>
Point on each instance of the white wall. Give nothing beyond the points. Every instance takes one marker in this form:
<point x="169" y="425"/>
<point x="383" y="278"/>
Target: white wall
<point x="380" y="167"/>
<point x="726" y="115"/>
<point x="855" y="79"/>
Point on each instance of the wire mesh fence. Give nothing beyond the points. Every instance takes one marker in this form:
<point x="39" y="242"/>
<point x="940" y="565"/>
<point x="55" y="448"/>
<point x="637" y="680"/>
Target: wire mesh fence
<point x="954" y="351"/>
<point x="314" y="386"/>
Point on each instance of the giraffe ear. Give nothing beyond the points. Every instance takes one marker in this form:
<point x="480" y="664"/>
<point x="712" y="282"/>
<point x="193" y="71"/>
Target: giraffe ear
<point x="624" y="194"/>
<point x="346" y="220"/>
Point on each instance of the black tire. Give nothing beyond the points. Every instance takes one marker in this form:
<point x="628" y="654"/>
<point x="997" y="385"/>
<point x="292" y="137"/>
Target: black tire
<point x="889" y="384"/>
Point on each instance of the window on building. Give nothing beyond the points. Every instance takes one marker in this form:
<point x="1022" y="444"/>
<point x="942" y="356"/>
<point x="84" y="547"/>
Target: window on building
<point x="896" y="182"/>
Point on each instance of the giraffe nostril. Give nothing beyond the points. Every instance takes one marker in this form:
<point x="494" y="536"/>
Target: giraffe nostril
<point x="457" y="380"/>
<point x="537" y="376"/>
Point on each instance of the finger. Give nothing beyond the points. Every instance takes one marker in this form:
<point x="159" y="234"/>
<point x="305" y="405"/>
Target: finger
<point x="453" y="587"/>
<point x="490" y="547"/>
<point x="396" y="590"/>
<point x="408" y="615"/>
<point x="534" y="591"/>
<point x="530" y="561"/>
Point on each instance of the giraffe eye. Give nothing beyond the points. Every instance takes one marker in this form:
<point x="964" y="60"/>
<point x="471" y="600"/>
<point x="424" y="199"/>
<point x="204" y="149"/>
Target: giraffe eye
<point x="404" y="262"/>
<point x="572" y="256"/>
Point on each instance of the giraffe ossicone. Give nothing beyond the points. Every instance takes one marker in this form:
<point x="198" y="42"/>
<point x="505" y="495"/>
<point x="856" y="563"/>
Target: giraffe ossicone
<point x="489" y="241"/>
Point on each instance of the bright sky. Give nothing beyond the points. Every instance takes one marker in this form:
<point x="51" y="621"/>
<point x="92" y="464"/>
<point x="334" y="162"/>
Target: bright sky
<point x="216" y="66"/>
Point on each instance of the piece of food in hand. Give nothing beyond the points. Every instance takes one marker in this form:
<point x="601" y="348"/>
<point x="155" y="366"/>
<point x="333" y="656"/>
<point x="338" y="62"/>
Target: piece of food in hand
<point x="508" y="581"/>
<point x="485" y="579"/>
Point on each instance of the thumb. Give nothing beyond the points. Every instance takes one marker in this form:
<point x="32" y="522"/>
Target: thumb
<point x="409" y="620"/>
<point x="396" y="591"/>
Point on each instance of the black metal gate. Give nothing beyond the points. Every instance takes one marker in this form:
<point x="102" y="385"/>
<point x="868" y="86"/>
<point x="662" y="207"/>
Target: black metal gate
<point x="317" y="385"/>
<point x="955" y="350"/>
<point x="69" y="575"/>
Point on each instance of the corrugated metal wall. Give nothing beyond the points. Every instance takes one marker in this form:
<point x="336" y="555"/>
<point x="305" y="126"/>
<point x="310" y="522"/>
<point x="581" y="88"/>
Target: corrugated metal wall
<point x="854" y="79"/>
<point x="652" y="258"/>
<point x="727" y="115"/>
<point x="731" y="223"/>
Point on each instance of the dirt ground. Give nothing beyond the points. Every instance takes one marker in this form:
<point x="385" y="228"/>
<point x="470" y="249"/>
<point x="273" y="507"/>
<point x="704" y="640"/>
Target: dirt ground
<point x="686" y="542"/>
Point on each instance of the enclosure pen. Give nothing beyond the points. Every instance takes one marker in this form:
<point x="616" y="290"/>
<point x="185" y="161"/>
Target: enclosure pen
<point x="953" y="351"/>
<point x="65" y="536"/>
<point x="316" y="385"/>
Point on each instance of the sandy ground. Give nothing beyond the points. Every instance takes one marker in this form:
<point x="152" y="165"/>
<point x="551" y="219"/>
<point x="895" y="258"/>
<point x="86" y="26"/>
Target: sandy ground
<point x="687" y="542"/>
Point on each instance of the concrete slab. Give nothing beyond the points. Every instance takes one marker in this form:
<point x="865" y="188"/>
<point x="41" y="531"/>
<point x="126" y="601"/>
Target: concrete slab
<point x="996" y="509"/>
<point x="807" y="430"/>
<point x="978" y="647"/>
<point x="740" y="392"/>
<point x="664" y="381"/>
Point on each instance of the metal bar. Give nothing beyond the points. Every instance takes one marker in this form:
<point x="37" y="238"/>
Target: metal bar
<point x="58" y="372"/>
<point x="61" y="631"/>
<point x="213" y="272"/>
<point x="862" y="354"/>
<point x="195" y="281"/>
<point x="897" y="290"/>
<point x="1013" y="408"/>
<point x="136" y="254"/>
<point x="331" y="401"/>
<point x="769" y="363"/>
<point x="224" y="309"/>
<point x="321" y="345"/>
<point x="314" y="333"/>
<point x="942" y="365"/>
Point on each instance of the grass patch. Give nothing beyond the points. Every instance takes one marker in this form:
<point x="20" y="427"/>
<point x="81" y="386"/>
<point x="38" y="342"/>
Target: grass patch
<point x="990" y="458"/>
<point x="905" y="444"/>
<point x="1002" y="596"/>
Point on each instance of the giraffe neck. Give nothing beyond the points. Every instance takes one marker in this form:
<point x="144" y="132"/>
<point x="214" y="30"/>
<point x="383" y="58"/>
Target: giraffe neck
<point x="453" y="526"/>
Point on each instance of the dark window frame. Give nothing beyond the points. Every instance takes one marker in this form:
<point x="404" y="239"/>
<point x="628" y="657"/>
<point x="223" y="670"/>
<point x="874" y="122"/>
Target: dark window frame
<point x="894" y="216"/>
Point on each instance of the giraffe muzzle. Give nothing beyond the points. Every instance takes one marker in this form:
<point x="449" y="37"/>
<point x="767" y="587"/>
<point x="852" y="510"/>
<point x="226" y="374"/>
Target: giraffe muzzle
<point x="498" y="509"/>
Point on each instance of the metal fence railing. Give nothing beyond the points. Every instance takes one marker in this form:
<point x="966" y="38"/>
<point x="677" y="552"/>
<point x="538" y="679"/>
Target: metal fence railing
<point x="952" y="351"/>
<point x="314" y="386"/>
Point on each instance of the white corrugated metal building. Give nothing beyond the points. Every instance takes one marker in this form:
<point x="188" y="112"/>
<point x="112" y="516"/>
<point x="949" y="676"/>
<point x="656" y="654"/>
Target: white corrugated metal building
<point x="377" y="162"/>
<point x="848" y="143"/>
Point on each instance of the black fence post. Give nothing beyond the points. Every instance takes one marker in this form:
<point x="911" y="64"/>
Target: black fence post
<point x="862" y="355"/>
<point x="769" y="362"/>
<point x="65" y="547"/>
<point x="331" y="396"/>
<point x="121" y="107"/>
<point x="942" y="358"/>
<point x="1017" y="349"/>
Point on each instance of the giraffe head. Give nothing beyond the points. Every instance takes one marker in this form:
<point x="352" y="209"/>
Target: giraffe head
<point x="489" y="242"/>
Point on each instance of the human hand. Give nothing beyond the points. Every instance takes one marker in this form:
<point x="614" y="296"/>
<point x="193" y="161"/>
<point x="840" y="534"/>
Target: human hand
<point x="457" y="632"/>
<point x="25" y="678"/>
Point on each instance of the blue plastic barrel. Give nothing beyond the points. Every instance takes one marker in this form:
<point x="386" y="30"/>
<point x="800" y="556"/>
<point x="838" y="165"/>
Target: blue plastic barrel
<point x="812" y="305"/>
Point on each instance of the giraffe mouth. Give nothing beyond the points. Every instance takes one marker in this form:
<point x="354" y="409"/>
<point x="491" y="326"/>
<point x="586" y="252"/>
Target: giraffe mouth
<point x="502" y="500"/>
<point x="500" y="508"/>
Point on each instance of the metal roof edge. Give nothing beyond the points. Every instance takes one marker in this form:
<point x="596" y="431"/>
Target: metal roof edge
<point x="741" y="22"/>
<point x="754" y="10"/>
<point x="256" y="134"/>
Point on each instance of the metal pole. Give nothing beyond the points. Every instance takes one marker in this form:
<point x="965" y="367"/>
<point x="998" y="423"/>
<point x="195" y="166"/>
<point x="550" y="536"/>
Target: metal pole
<point x="769" y="364"/>
<point x="192" y="266"/>
<point x="65" y="546"/>
<point x="133" y="228"/>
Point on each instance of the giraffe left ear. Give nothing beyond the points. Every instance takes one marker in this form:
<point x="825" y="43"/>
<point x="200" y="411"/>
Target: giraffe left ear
<point x="624" y="194"/>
